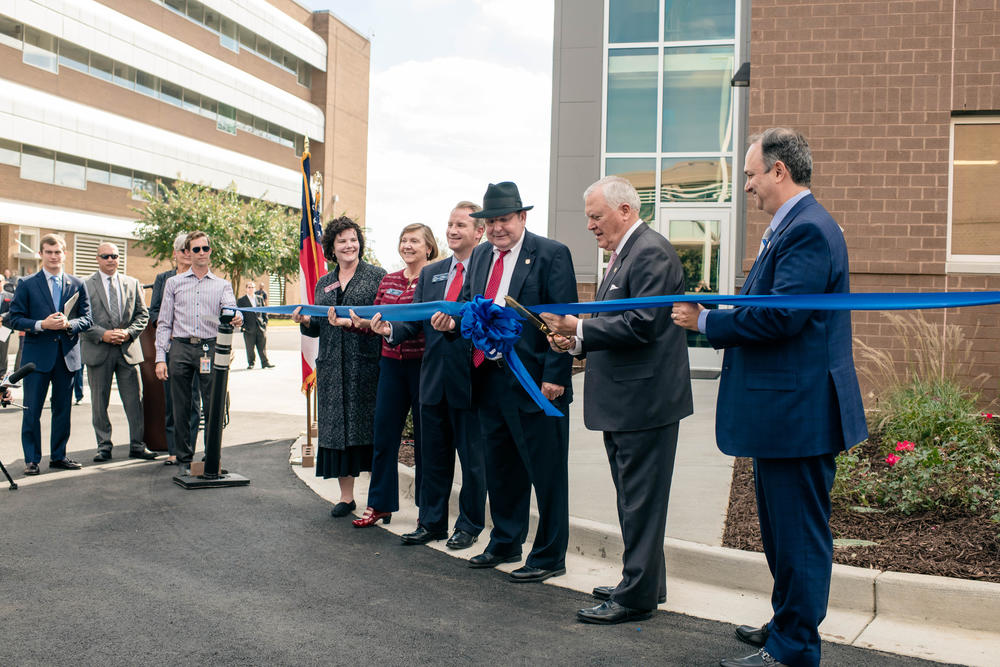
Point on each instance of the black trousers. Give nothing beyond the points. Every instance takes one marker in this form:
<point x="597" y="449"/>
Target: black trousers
<point x="524" y="450"/>
<point x="445" y="431"/>
<point x="182" y="367"/>
<point x="642" y="465"/>
<point x="256" y="338"/>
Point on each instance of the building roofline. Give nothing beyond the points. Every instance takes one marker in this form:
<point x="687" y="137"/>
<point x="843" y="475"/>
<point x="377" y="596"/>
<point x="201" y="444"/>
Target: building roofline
<point x="303" y="5"/>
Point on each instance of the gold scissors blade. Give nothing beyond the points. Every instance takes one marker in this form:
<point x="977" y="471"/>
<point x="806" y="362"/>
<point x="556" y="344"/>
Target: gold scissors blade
<point x="528" y="315"/>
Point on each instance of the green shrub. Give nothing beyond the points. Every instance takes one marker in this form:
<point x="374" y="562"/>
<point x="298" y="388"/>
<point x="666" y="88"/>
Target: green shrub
<point x="929" y="450"/>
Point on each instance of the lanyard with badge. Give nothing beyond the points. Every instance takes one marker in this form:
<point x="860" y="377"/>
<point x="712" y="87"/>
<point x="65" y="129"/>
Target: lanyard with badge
<point x="205" y="362"/>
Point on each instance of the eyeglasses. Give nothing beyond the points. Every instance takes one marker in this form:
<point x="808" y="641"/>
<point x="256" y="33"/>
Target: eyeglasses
<point x="201" y="248"/>
<point x="108" y="256"/>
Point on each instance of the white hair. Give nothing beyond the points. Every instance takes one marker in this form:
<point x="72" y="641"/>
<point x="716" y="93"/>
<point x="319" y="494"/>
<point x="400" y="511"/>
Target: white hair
<point x="180" y="241"/>
<point x="616" y="191"/>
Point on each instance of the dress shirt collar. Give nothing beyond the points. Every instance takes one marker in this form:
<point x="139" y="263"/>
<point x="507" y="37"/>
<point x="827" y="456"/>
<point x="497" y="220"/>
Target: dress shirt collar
<point x="624" y="240"/>
<point x="780" y="214"/>
<point x="190" y="272"/>
<point x="50" y="276"/>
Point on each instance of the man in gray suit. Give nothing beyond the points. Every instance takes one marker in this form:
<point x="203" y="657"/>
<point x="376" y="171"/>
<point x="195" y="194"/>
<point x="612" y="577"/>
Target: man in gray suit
<point x="637" y="389"/>
<point x="111" y="349"/>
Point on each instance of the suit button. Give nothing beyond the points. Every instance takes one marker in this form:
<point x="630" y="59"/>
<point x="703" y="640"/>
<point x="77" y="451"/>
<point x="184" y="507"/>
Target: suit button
<point x="725" y="368"/>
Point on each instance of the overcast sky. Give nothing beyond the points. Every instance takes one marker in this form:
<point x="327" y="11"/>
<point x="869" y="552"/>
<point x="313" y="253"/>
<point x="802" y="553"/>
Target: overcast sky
<point x="461" y="97"/>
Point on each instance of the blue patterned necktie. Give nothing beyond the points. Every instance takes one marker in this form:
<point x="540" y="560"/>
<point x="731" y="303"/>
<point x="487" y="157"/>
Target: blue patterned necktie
<point x="56" y="292"/>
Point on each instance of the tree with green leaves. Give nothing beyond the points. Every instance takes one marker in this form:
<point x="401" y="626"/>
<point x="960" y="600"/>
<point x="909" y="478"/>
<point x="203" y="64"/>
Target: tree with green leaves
<point x="250" y="237"/>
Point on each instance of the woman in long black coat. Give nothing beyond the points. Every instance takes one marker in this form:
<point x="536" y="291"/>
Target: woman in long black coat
<point x="347" y="362"/>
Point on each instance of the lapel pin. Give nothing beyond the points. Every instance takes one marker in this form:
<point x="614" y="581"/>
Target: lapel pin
<point x="527" y="260"/>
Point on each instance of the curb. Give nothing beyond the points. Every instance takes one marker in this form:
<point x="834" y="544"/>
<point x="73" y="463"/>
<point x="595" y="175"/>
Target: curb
<point x="935" y="618"/>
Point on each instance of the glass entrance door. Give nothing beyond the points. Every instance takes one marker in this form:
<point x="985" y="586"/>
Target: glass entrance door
<point x="702" y="238"/>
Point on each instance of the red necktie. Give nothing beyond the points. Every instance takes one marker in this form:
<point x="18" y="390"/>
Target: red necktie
<point x="607" y="271"/>
<point x="456" y="284"/>
<point x="478" y="356"/>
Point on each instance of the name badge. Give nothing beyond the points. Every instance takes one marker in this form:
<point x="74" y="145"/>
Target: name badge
<point x="440" y="277"/>
<point x="205" y="362"/>
<point x="394" y="292"/>
<point x="332" y="286"/>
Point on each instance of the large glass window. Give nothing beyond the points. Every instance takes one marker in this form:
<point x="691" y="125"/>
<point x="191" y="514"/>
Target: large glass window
<point x="975" y="198"/>
<point x="10" y="153"/>
<point x="102" y="67"/>
<point x="685" y="180"/>
<point x="631" y="100"/>
<point x="696" y="98"/>
<point x="641" y="173"/>
<point x="38" y="164"/>
<point x="98" y="172"/>
<point x="40" y="50"/>
<point x="633" y="20"/>
<point x="121" y="177"/>
<point x="73" y="56"/>
<point x="11" y="32"/>
<point x="145" y="83"/>
<point x="125" y="75"/>
<point x="71" y="172"/>
<point x="690" y="20"/>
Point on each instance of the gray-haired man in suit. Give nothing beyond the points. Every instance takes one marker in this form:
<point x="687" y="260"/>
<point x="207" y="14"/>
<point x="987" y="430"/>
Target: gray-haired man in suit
<point x="111" y="349"/>
<point x="637" y="389"/>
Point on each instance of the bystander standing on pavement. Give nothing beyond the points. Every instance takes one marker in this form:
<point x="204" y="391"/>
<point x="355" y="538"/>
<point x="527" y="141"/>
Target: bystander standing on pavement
<point x="254" y="326"/>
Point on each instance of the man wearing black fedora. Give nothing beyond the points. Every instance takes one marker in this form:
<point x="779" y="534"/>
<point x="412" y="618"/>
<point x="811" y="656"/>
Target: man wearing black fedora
<point x="524" y="447"/>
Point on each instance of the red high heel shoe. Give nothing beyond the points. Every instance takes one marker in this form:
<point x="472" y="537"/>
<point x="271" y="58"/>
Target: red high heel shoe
<point x="371" y="517"/>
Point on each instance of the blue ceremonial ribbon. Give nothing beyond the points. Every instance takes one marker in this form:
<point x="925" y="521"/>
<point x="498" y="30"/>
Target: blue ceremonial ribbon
<point x="495" y="329"/>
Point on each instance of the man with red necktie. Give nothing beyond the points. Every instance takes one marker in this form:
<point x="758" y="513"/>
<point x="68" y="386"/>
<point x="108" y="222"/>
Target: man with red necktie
<point x="448" y="424"/>
<point x="523" y="446"/>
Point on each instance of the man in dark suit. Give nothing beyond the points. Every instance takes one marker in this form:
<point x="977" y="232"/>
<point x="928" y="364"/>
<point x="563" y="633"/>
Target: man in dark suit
<point x="254" y="326"/>
<point x="637" y="390"/>
<point x="524" y="447"/>
<point x="52" y="307"/>
<point x="111" y="350"/>
<point x="789" y="394"/>
<point x="182" y="261"/>
<point x="448" y="424"/>
<point x="6" y="297"/>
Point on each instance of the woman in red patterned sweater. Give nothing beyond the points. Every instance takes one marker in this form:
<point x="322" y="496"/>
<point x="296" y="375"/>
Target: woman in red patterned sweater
<point x="398" y="380"/>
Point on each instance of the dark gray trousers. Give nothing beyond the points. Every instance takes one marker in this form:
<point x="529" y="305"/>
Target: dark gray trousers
<point x="182" y="367"/>
<point x="642" y="464"/>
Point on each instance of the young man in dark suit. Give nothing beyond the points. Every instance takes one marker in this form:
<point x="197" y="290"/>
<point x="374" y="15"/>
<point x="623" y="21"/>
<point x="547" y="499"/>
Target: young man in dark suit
<point x="50" y="342"/>
<point x="254" y="326"/>
<point x="448" y="423"/>
<point x="637" y="389"/>
<point x="524" y="447"/>
<point x="789" y="395"/>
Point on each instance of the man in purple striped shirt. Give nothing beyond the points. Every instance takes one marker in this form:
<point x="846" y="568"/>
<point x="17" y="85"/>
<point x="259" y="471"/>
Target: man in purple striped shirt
<point x="187" y="327"/>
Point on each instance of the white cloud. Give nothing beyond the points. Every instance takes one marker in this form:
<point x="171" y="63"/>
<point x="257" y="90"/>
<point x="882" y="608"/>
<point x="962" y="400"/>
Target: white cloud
<point x="531" y="19"/>
<point x="441" y="130"/>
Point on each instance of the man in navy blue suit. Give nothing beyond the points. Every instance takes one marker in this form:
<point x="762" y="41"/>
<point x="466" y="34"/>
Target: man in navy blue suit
<point x="789" y="395"/>
<point x="448" y="424"/>
<point x="52" y="308"/>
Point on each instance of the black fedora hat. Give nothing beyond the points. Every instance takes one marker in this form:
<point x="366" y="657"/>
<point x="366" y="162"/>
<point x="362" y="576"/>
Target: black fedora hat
<point x="501" y="199"/>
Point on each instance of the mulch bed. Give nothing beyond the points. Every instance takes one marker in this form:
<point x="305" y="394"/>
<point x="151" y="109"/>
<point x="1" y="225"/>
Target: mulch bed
<point x="406" y="453"/>
<point x="960" y="546"/>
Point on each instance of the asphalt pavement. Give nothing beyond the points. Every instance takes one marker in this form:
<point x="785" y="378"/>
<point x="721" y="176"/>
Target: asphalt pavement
<point x="119" y="566"/>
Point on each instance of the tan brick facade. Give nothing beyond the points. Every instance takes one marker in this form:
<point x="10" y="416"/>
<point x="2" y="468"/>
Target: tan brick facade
<point x="873" y="86"/>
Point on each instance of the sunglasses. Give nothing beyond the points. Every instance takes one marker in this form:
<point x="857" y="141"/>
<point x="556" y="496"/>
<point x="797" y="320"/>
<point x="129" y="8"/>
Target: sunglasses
<point x="201" y="248"/>
<point x="108" y="256"/>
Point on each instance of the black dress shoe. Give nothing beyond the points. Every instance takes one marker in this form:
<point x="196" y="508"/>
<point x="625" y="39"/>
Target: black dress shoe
<point x="529" y="574"/>
<point x="461" y="540"/>
<point x="343" y="509"/>
<point x="141" y="454"/>
<point x="753" y="636"/>
<point x="422" y="536"/>
<point x="65" y="464"/>
<point x="610" y="612"/>
<point x="759" y="659"/>
<point x="102" y="457"/>
<point x="249" y="367"/>
<point x="267" y="365"/>
<point x="32" y="469"/>
<point x="488" y="559"/>
<point x="604" y="593"/>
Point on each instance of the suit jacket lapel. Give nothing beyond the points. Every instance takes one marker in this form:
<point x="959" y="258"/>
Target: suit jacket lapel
<point x="605" y="286"/>
<point x="102" y="296"/>
<point x="782" y="228"/>
<point x="522" y="267"/>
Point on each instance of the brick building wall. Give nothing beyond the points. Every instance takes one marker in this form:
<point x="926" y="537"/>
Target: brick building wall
<point x="873" y="86"/>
